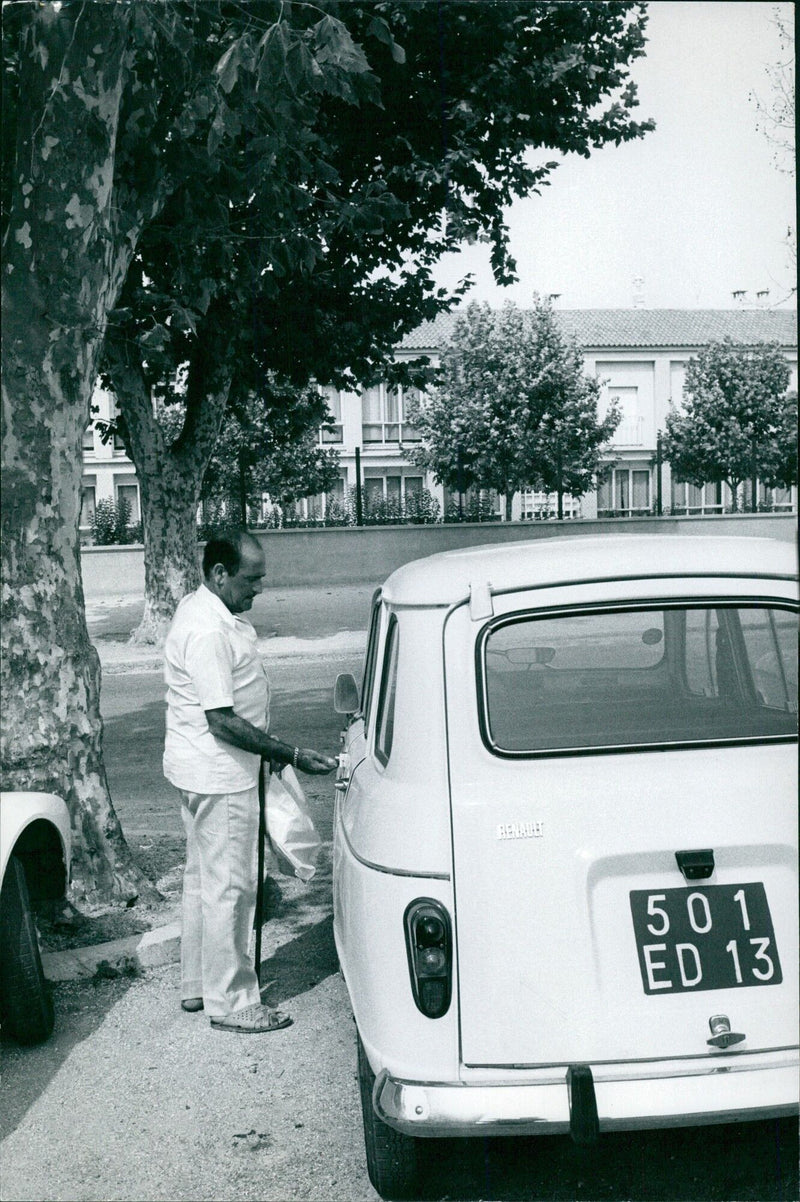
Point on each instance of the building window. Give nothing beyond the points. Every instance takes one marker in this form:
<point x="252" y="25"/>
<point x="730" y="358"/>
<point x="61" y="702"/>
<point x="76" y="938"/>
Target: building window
<point x="391" y="487"/>
<point x="391" y="429"/>
<point x="333" y="431"/>
<point x="692" y="499"/>
<point x="630" y="431"/>
<point x="411" y="399"/>
<point x="336" y="493"/>
<point x="88" y="499"/>
<point x="88" y="439"/>
<point x="383" y="414"/>
<point x="776" y="498"/>
<point x="623" y="491"/>
<point x="373" y="489"/>
<point x="640" y="490"/>
<point x="129" y="492"/>
<point x="535" y="504"/>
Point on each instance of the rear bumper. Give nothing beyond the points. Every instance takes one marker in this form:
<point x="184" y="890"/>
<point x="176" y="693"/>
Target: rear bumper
<point x="733" y="1092"/>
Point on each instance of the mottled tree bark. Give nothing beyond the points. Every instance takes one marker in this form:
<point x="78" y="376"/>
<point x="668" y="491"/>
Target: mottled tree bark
<point x="64" y="264"/>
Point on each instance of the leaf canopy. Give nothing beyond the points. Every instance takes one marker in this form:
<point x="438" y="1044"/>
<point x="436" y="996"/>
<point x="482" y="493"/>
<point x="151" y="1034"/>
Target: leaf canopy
<point x="512" y="407"/>
<point x="737" y="418"/>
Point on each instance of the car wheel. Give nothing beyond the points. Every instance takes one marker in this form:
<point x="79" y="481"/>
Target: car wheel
<point x="392" y="1158"/>
<point x="26" y="1005"/>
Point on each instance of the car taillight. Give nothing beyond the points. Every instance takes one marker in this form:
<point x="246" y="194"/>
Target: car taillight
<point x="430" y="955"/>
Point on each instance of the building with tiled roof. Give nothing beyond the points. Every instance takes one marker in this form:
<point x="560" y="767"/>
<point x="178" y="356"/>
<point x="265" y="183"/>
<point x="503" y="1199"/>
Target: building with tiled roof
<point x="640" y="357"/>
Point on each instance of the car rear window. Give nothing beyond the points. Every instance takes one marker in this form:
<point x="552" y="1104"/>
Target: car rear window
<point x="638" y="676"/>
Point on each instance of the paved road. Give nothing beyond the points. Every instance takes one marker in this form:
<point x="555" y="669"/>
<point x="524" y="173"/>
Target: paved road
<point x="133" y="711"/>
<point x="283" y="612"/>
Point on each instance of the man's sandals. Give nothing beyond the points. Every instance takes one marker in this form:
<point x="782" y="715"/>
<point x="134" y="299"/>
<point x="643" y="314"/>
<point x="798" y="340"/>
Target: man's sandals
<point x="253" y="1020"/>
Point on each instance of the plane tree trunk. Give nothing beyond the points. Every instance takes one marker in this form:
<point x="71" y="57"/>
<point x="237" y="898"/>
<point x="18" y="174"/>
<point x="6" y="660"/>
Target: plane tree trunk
<point x="170" y="475"/>
<point x="65" y="259"/>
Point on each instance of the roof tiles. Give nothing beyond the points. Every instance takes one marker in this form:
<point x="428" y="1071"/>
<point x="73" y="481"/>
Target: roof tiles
<point x="620" y="328"/>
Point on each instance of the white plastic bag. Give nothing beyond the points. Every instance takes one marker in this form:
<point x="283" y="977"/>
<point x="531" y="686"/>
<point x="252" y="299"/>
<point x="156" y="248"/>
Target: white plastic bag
<point x="290" y="831"/>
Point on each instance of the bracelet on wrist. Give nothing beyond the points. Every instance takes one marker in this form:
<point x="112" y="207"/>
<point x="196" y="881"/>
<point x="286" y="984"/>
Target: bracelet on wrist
<point x="295" y="757"/>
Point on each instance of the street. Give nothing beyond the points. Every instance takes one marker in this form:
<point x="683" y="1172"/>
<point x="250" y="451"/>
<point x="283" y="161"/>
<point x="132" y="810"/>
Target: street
<point x="133" y="713"/>
<point x="133" y="1099"/>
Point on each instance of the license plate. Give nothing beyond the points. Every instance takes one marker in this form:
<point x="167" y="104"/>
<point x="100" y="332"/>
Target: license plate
<point x="707" y="937"/>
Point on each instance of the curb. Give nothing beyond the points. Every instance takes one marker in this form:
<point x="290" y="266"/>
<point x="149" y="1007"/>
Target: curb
<point x="120" y="957"/>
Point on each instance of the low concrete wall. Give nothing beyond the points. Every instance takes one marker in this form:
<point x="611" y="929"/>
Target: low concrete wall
<point x="112" y="571"/>
<point x="347" y="555"/>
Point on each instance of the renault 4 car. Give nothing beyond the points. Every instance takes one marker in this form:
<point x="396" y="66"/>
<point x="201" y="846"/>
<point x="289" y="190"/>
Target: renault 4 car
<point x="565" y="842"/>
<point x="34" y="868"/>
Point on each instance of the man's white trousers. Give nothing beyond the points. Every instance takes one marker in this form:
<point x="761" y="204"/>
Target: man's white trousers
<point x="219" y="895"/>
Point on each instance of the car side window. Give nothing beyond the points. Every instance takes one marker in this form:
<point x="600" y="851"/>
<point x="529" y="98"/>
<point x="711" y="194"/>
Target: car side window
<point x="384" y="734"/>
<point x="371" y="656"/>
<point x="769" y="639"/>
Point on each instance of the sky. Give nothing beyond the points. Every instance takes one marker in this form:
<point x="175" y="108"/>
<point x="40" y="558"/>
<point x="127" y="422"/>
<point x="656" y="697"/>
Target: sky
<point x="696" y="209"/>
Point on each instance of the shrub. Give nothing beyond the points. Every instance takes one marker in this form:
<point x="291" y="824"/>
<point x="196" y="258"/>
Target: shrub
<point x="422" y="508"/>
<point x="123" y="518"/>
<point x="474" y="509"/>
<point x="111" y="523"/>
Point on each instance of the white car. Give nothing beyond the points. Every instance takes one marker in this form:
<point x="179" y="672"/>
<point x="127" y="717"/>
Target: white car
<point x="565" y="842"/>
<point x="34" y="865"/>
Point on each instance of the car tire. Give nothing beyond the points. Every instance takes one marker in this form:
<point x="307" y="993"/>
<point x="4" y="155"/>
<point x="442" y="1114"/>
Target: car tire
<point x="26" y="1007"/>
<point x="392" y="1158"/>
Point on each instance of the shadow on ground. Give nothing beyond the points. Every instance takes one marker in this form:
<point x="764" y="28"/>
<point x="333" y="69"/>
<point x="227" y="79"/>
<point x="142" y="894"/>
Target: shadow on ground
<point x="300" y="965"/>
<point x="81" y="1007"/>
<point x="755" y="1161"/>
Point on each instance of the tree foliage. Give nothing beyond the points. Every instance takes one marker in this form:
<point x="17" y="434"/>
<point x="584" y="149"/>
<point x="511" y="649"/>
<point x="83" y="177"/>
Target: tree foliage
<point x="776" y="111"/>
<point x="512" y="407"/>
<point x="270" y="444"/>
<point x="738" y="421"/>
<point x="776" y="117"/>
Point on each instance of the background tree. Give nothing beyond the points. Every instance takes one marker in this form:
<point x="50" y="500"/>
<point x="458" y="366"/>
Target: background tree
<point x="108" y="111"/>
<point x="776" y="117"/>
<point x="738" y="421"/>
<point x="270" y="444"/>
<point x="512" y="407"/>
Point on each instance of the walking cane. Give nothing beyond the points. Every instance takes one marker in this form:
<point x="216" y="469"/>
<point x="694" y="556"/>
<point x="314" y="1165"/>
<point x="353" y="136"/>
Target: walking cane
<point x="262" y="834"/>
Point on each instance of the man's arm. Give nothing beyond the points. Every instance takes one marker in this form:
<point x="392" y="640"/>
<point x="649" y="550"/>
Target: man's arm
<point x="227" y="726"/>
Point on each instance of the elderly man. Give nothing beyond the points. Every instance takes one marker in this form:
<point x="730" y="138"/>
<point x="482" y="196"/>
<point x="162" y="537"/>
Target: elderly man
<point x="217" y="723"/>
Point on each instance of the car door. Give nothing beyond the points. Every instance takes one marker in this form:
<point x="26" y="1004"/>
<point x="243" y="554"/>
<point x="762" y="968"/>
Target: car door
<point x="593" y="745"/>
<point x="353" y="738"/>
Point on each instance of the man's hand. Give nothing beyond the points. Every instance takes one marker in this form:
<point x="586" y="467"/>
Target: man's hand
<point x="314" y="762"/>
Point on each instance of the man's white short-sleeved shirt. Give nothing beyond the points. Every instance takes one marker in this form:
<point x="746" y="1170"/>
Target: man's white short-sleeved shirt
<point x="211" y="662"/>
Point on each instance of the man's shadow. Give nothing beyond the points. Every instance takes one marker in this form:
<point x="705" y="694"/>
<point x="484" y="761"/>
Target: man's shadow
<point x="300" y="964"/>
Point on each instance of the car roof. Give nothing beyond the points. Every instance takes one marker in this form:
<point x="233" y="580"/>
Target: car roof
<point x="448" y="577"/>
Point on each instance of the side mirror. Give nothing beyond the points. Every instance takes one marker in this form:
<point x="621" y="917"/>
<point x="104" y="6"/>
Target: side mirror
<point x="345" y="694"/>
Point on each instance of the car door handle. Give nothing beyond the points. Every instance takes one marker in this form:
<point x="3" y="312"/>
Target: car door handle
<point x="696" y="865"/>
